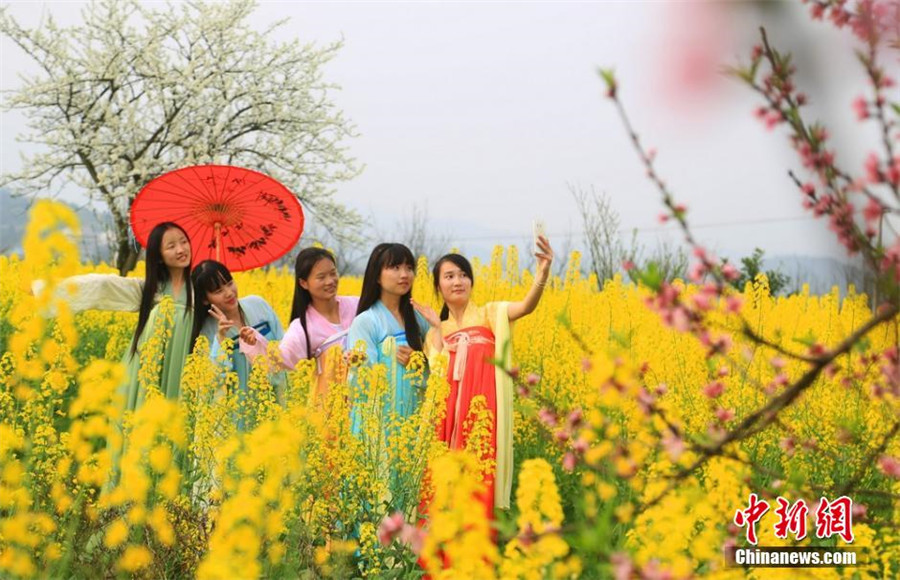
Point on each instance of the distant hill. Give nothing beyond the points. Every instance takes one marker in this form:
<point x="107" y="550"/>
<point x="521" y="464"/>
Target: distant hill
<point x="14" y="216"/>
<point x="821" y="273"/>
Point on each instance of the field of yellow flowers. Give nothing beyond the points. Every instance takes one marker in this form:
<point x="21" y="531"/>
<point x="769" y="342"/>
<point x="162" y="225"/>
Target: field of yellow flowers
<point x="601" y="489"/>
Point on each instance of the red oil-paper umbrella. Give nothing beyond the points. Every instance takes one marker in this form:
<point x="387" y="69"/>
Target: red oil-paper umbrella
<point x="236" y="216"/>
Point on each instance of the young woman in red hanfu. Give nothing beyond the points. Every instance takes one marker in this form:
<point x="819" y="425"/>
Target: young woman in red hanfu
<point x="474" y="335"/>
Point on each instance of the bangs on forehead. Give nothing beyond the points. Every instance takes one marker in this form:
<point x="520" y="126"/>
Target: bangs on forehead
<point x="213" y="276"/>
<point x="217" y="280"/>
<point x="398" y="254"/>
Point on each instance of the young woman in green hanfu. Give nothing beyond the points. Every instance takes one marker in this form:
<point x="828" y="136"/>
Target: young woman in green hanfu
<point x="161" y="341"/>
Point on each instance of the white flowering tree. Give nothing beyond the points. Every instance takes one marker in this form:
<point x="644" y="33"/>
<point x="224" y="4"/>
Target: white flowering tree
<point x="138" y="90"/>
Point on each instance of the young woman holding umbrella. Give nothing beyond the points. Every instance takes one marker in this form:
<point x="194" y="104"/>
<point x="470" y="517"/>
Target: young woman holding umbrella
<point x="239" y="217"/>
<point x="168" y="268"/>
<point x="473" y="336"/>
<point x="320" y="320"/>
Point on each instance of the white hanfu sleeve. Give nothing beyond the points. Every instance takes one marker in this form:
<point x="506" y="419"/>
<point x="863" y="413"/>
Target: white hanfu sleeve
<point x="97" y="292"/>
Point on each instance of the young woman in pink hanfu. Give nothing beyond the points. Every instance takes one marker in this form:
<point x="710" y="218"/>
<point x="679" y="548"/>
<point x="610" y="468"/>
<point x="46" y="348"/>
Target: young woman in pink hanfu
<point x="320" y="320"/>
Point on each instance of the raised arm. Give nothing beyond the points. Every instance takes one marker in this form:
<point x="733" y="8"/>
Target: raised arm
<point x="542" y="273"/>
<point x="292" y="346"/>
<point x="97" y="292"/>
<point x="434" y="342"/>
<point x="273" y="320"/>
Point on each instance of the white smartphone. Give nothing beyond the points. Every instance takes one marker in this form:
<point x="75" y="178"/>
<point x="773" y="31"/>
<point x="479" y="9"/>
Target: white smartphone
<point x="538" y="229"/>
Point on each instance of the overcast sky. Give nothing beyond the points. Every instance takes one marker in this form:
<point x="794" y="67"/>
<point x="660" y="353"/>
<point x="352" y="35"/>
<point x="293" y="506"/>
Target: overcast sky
<point x="485" y="112"/>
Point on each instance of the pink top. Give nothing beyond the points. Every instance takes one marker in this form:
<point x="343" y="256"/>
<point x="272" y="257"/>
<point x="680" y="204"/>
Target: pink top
<point x="322" y="334"/>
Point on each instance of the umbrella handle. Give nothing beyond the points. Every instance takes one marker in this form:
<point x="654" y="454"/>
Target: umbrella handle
<point x="218" y="228"/>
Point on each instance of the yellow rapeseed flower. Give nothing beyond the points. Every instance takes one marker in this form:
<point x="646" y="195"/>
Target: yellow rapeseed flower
<point x="116" y="534"/>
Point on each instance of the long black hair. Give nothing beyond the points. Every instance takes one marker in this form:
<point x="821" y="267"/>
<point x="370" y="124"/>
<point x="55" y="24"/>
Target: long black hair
<point x="208" y="276"/>
<point x="306" y="261"/>
<point x="457" y="260"/>
<point x="157" y="274"/>
<point x="384" y="256"/>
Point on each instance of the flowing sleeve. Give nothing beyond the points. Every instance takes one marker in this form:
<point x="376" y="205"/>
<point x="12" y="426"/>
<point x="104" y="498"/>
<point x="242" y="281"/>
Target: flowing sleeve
<point x="491" y="314"/>
<point x="503" y="383"/>
<point x="424" y="327"/>
<point x="293" y="345"/>
<point x="430" y="349"/>
<point x="432" y="353"/>
<point x="278" y="378"/>
<point x="258" y="310"/>
<point x="365" y="328"/>
<point x="210" y="327"/>
<point x="97" y="292"/>
<point x="215" y="349"/>
<point x="274" y="322"/>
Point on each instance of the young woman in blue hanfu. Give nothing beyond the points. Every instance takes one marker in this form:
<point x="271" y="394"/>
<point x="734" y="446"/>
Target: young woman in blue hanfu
<point x="221" y="314"/>
<point x="389" y="328"/>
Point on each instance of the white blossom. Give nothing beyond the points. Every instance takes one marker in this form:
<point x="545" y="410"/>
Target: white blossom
<point x="139" y="90"/>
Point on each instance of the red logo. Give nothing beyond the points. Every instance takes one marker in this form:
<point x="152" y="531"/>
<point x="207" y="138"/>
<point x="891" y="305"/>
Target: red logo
<point x="791" y="519"/>
<point x="750" y="516"/>
<point x="835" y="518"/>
<point x="832" y="518"/>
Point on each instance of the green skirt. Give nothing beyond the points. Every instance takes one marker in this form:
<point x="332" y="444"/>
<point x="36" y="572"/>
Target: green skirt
<point x="162" y="349"/>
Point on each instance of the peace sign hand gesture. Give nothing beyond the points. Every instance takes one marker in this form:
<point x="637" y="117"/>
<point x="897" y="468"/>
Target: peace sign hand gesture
<point x="224" y="323"/>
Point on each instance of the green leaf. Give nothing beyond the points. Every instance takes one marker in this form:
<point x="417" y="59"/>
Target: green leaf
<point x="608" y="76"/>
<point x="742" y="73"/>
<point x="754" y="68"/>
<point x="651" y="276"/>
<point x="862" y="345"/>
<point x="623" y="339"/>
<point x="809" y="339"/>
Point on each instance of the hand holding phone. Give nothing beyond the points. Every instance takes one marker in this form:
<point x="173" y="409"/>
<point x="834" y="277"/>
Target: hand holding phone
<point x="537" y="231"/>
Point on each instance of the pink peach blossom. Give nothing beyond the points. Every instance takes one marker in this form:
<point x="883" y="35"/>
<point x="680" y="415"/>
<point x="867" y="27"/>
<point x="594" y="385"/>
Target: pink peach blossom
<point x="622" y="567"/>
<point x="569" y="461"/>
<point x="389" y="527"/>
<point x="674" y="445"/>
<point x="714" y="389"/>
<point x="873" y="210"/>
<point x="890" y="466"/>
<point x="873" y="173"/>
<point x="724" y="415"/>
<point x="547" y="417"/>
<point x="861" y="108"/>
<point x="730" y="272"/>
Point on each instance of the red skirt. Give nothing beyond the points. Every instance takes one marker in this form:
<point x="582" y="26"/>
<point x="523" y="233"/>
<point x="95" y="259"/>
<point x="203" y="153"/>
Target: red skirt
<point x="471" y="374"/>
